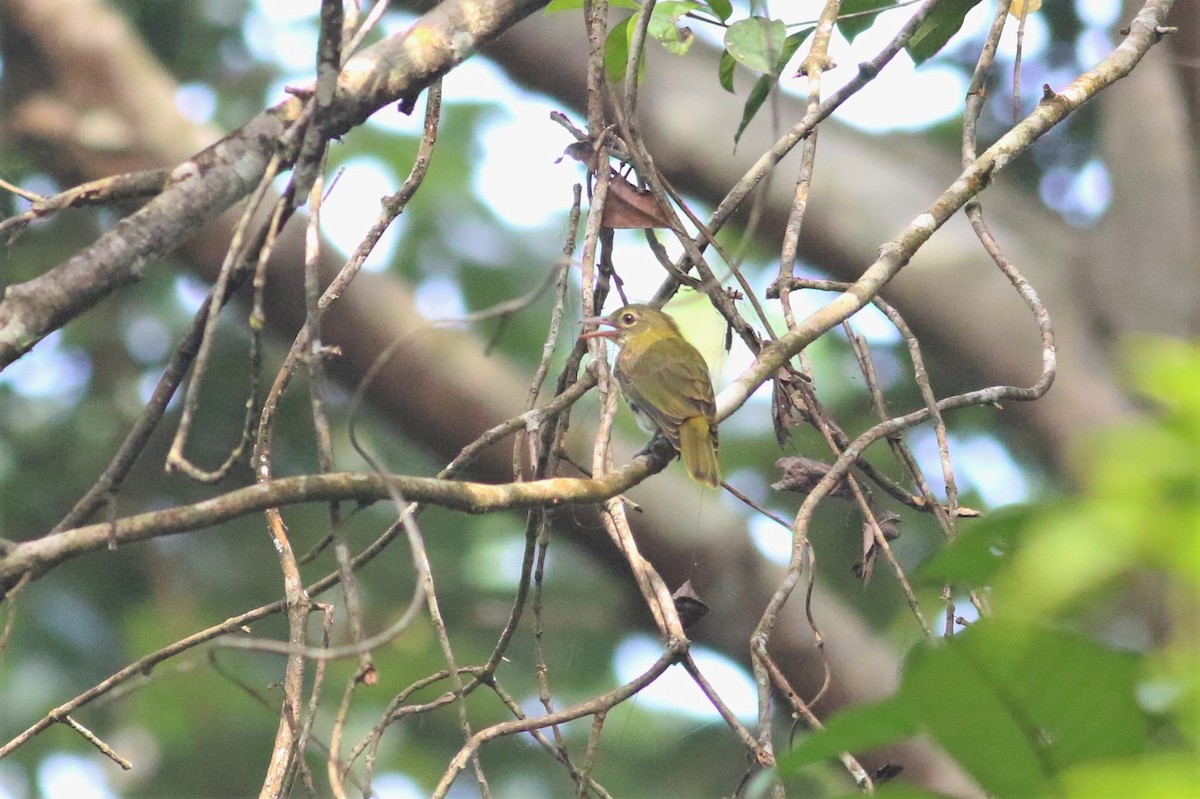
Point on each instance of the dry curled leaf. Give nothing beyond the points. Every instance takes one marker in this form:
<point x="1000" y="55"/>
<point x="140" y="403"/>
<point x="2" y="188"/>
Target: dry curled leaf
<point x="688" y="605"/>
<point x="801" y="475"/>
<point x="786" y="412"/>
<point x="631" y="208"/>
<point x="889" y="525"/>
<point x="583" y="152"/>
<point x="781" y="414"/>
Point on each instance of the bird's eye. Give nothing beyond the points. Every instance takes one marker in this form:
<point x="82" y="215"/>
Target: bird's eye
<point x="628" y="318"/>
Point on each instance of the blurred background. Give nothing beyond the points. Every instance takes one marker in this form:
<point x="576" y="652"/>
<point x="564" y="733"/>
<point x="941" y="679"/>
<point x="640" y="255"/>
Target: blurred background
<point x="1102" y="217"/>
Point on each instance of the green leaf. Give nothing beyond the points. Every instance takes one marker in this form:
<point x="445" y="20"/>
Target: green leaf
<point x="898" y="790"/>
<point x="1016" y="705"/>
<point x="758" y="95"/>
<point x="1168" y="370"/>
<point x="1161" y="775"/>
<point x="722" y="8"/>
<point x="937" y="28"/>
<point x="969" y="712"/>
<point x="1040" y="701"/>
<point x="572" y="5"/>
<point x="855" y="15"/>
<point x="976" y="555"/>
<point x="725" y="71"/>
<point x="756" y="42"/>
<point x="663" y="25"/>
<point x="672" y="10"/>
<point x="1046" y="678"/>
<point x="762" y="87"/>
<point x="853" y="730"/>
<point x="790" y="45"/>
<point x="616" y="51"/>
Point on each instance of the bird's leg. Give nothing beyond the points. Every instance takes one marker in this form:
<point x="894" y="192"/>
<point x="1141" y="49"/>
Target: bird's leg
<point x="660" y="446"/>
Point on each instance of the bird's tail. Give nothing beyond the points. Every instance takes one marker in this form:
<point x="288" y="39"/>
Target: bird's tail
<point x="699" y="452"/>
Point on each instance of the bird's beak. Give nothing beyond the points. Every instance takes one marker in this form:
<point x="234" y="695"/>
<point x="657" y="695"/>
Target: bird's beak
<point x="611" y="335"/>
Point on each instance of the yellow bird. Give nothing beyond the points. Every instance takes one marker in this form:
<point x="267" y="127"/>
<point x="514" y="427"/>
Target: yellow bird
<point x="665" y="382"/>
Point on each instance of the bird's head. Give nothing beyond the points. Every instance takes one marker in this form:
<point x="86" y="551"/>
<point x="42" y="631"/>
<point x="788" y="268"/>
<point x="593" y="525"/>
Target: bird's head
<point x="636" y="325"/>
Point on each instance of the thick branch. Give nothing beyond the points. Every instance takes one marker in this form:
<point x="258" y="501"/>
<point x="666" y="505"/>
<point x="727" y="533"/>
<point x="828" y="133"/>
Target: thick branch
<point x="394" y="70"/>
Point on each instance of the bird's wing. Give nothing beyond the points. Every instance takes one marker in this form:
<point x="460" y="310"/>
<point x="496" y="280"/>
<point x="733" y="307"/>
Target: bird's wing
<point x="678" y="388"/>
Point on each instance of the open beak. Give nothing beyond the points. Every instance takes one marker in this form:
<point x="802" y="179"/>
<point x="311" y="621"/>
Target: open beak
<point x="611" y="335"/>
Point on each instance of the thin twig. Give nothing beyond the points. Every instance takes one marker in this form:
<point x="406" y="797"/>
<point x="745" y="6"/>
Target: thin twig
<point x="861" y="778"/>
<point x="91" y="738"/>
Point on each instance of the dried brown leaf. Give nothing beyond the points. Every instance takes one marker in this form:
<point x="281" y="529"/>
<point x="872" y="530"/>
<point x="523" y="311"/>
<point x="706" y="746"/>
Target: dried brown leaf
<point x="631" y="208"/>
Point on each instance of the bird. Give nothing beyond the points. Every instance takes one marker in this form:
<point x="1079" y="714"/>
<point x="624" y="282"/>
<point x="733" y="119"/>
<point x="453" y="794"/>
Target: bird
<point x="665" y="382"/>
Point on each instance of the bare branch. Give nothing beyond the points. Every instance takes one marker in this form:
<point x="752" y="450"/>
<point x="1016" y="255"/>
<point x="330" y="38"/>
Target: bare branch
<point x="44" y="553"/>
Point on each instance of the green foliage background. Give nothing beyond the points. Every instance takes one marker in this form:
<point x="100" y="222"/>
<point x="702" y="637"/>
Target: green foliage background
<point x="1053" y="695"/>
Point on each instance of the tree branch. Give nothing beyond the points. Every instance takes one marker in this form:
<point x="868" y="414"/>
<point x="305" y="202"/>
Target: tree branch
<point x="201" y="188"/>
<point x="42" y="554"/>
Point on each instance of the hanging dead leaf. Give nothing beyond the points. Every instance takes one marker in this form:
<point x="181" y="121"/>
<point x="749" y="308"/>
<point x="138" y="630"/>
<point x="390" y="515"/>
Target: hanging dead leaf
<point x="781" y="415"/>
<point x="866" y="564"/>
<point x="631" y="208"/>
<point x="889" y="525"/>
<point x="788" y="407"/>
<point x="801" y="475"/>
<point x="688" y="605"/>
<point x="582" y="151"/>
